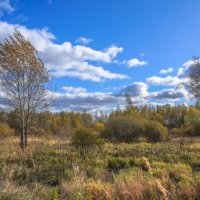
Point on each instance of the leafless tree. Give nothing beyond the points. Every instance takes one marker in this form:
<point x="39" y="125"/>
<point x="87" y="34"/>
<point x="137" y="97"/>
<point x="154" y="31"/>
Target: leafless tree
<point x="194" y="75"/>
<point x="129" y="102"/>
<point x="23" y="79"/>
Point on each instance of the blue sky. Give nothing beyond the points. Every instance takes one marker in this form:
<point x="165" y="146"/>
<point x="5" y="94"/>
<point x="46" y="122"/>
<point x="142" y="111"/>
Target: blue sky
<point x="99" y="50"/>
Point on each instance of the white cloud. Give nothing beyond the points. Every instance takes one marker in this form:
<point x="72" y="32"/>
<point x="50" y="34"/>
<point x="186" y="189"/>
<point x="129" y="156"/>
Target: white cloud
<point x="113" y="51"/>
<point x="86" y="53"/>
<point x="182" y="71"/>
<point x="88" y="72"/>
<point x="140" y="90"/>
<point x="136" y="89"/>
<point x="135" y="62"/>
<point x="92" y="102"/>
<point x="71" y="89"/>
<point x="172" y="93"/>
<point x="5" y="7"/>
<point x="139" y="93"/>
<point x="166" y="71"/>
<point x="65" y="59"/>
<point x="83" y="40"/>
<point x="83" y="101"/>
<point x="166" y="81"/>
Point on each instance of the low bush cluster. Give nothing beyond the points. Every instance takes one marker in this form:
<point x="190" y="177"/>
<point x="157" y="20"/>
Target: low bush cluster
<point x="116" y="164"/>
<point x="86" y="140"/>
<point x="6" y="131"/>
<point x="155" y="132"/>
<point x="127" y="129"/>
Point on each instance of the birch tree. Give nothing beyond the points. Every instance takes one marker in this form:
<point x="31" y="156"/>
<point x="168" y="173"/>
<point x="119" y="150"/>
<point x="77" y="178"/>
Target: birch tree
<point x="23" y="79"/>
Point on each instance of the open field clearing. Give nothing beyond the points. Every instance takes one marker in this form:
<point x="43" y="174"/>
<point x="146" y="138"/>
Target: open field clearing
<point x="52" y="169"/>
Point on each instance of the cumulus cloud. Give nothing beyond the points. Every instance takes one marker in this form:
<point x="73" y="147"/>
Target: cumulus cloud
<point x="113" y="51"/>
<point x="65" y="59"/>
<point x="5" y="7"/>
<point x="92" y="102"/>
<point x="75" y="90"/>
<point x="140" y="94"/>
<point x="136" y="89"/>
<point x="88" y="72"/>
<point x="135" y="62"/>
<point x="172" y="93"/>
<point x="166" y="81"/>
<point x="83" y="40"/>
<point x="166" y="71"/>
<point x="78" y="99"/>
<point x="182" y="71"/>
<point x="83" y="101"/>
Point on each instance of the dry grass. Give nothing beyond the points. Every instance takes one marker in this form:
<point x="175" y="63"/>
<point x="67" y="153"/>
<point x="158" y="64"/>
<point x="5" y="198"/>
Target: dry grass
<point x="166" y="171"/>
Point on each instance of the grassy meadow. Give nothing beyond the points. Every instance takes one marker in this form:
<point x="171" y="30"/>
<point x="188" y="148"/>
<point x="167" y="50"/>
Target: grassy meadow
<point x="51" y="168"/>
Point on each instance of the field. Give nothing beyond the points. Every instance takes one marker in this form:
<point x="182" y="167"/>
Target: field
<point x="52" y="169"/>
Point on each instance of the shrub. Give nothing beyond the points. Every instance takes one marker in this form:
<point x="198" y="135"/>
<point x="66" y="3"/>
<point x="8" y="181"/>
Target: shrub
<point x="97" y="191"/>
<point x="99" y="127"/>
<point x="192" y="129"/>
<point x="135" y="185"/>
<point x="124" y="129"/>
<point x="85" y="140"/>
<point x="155" y="132"/>
<point x="118" y="163"/>
<point x="174" y="132"/>
<point x="37" y="131"/>
<point x="5" y="130"/>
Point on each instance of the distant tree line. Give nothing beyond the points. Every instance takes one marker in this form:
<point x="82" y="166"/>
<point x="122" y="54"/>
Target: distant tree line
<point x="132" y="120"/>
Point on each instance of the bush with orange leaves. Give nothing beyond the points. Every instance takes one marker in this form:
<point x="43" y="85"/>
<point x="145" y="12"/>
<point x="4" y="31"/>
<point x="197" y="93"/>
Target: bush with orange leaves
<point x="5" y="131"/>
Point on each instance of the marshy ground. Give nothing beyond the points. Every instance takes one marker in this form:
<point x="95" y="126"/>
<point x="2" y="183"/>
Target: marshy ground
<point x="52" y="169"/>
